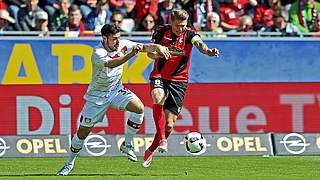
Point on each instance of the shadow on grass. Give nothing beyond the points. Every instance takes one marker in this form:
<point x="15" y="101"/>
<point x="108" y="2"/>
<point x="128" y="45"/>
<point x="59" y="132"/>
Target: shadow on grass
<point x="88" y="175"/>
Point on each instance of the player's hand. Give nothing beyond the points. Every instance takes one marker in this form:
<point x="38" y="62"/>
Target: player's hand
<point x="137" y="48"/>
<point x="213" y="52"/>
<point x="164" y="51"/>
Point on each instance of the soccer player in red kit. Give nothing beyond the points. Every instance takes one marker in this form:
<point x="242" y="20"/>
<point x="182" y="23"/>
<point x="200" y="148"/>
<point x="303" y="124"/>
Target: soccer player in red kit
<point x="169" y="78"/>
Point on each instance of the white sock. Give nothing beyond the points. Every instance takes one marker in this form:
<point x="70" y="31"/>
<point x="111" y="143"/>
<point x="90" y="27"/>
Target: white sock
<point x="76" y="146"/>
<point x="132" y="129"/>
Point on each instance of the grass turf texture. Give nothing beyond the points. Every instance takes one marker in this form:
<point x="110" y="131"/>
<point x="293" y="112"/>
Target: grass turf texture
<point x="222" y="167"/>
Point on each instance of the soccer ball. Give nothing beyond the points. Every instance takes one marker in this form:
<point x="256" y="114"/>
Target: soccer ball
<point x="195" y="143"/>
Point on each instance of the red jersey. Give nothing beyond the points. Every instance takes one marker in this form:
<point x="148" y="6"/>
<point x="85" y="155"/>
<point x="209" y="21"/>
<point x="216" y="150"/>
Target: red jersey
<point x="145" y="6"/>
<point x="263" y="14"/>
<point x="175" y="68"/>
<point x="231" y="12"/>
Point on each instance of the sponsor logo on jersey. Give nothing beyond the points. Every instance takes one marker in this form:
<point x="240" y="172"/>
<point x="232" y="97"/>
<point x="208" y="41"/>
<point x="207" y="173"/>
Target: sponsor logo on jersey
<point x="87" y="120"/>
<point x="177" y="51"/>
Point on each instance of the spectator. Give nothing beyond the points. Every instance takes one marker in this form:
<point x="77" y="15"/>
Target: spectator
<point x="126" y="7"/>
<point x="99" y="16"/>
<point x="263" y="14"/>
<point x="145" y="6"/>
<point x="42" y="23"/>
<point x="316" y="26"/>
<point x="86" y="7"/>
<point x="232" y="10"/>
<point x="147" y="23"/>
<point x="282" y="25"/>
<point x="13" y="8"/>
<point x="212" y="25"/>
<point x="26" y="15"/>
<point x="164" y="11"/>
<point x="5" y="19"/>
<point x="303" y="14"/>
<point x="245" y="25"/>
<point x="61" y="16"/>
<point x="74" y="22"/>
<point x="51" y="7"/>
<point x="117" y="18"/>
<point x="198" y="10"/>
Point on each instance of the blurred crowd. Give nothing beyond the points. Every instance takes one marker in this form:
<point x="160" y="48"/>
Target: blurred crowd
<point x="85" y="17"/>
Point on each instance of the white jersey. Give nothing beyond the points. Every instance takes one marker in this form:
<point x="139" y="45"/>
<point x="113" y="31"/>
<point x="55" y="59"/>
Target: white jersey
<point x="106" y="80"/>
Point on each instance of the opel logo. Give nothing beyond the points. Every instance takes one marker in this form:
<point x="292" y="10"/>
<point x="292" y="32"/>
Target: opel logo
<point x="96" y="145"/>
<point x="294" y="143"/>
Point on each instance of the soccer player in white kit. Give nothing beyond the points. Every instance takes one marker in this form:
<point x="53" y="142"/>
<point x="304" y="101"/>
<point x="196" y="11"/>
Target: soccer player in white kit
<point x="106" y="90"/>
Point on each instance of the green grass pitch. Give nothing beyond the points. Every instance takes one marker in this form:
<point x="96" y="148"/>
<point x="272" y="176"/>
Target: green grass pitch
<point x="222" y="167"/>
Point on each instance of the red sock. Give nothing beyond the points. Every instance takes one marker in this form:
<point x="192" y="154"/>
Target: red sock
<point x="157" y="139"/>
<point x="159" y="120"/>
<point x="155" y="143"/>
<point x="168" y="133"/>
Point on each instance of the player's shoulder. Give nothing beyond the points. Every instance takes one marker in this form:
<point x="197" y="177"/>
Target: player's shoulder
<point x="125" y="44"/>
<point x="164" y="27"/>
<point x="125" y="41"/>
<point x="189" y="29"/>
<point x="99" y="49"/>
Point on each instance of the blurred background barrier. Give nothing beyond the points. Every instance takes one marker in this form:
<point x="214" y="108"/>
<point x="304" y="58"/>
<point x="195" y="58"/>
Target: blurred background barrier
<point x="208" y="108"/>
<point x="33" y="60"/>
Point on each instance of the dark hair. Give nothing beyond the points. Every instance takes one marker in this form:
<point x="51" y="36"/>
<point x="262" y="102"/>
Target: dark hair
<point x="115" y="13"/>
<point x="140" y="24"/>
<point x="102" y="2"/>
<point x="108" y="29"/>
<point x="73" y="8"/>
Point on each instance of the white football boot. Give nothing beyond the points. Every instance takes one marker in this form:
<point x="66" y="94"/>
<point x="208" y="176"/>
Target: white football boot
<point x="65" y="170"/>
<point x="129" y="151"/>
<point x="146" y="161"/>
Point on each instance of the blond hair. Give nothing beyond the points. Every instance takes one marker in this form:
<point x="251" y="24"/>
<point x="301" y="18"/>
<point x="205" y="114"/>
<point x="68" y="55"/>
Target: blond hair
<point x="179" y="14"/>
<point x="213" y="14"/>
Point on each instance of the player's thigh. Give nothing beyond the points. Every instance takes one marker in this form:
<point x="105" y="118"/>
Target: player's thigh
<point x="175" y="96"/>
<point x="92" y="114"/>
<point x="83" y="131"/>
<point x="135" y="106"/>
<point x="123" y="98"/>
<point x="158" y="88"/>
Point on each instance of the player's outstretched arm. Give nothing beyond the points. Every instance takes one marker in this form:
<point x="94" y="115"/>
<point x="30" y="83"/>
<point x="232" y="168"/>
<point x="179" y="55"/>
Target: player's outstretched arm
<point x="156" y="51"/>
<point x="203" y="48"/>
<point x="154" y="55"/>
<point x="120" y="60"/>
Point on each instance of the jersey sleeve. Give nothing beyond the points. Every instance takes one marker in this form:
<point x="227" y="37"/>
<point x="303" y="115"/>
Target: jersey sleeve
<point x="191" y="34"/>
<point x="157" y="35"/>
<point x="129" y="45"/>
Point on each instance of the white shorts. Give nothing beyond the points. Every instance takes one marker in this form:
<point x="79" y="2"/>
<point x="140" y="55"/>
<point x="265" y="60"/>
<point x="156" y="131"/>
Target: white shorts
<point x="93" y="113"/>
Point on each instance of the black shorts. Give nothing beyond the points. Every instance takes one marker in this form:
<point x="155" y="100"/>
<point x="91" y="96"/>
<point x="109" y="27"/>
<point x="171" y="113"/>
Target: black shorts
<point x="174" y="92"/>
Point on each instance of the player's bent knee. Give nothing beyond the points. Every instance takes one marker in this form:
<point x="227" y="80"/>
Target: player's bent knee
<point x="83" y="132"/>
<point x="135" y="106"/>
<point x="140" y="109"/>
<point x="169" y="127"/>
